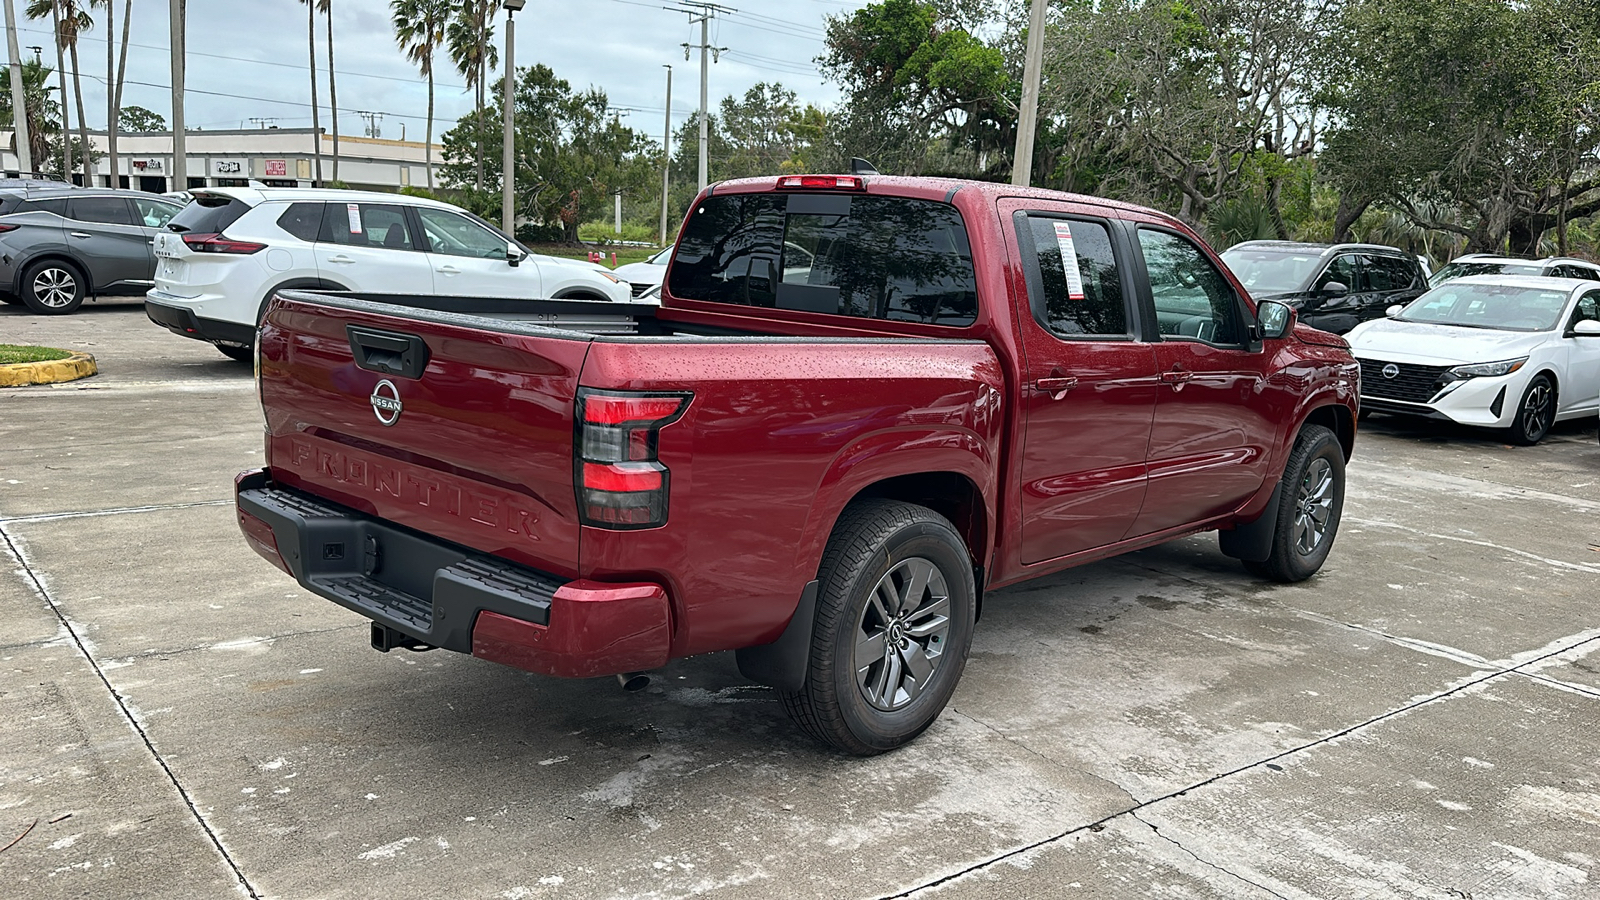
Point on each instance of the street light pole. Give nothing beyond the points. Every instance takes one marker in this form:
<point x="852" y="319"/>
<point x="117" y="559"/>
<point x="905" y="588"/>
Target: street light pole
<point x="1028" y="119"/>
<point x="18" y="96"/>
<point x="508" y="219"/>
<point x="666" y="160"/>
<point x="180" y="154"/>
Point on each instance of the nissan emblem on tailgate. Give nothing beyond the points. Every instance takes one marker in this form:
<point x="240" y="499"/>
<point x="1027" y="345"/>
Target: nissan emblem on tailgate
<point x="386" y="403"/>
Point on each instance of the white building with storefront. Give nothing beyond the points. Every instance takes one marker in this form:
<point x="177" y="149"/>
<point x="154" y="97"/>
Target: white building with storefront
<point x="279" y="157"/>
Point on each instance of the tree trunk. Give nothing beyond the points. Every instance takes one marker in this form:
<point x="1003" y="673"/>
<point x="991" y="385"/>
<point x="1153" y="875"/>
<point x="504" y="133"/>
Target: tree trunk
<point x="61" y="78"/>
<point x="1350" y="209"/>
<point x="114" y="175"/>
<point x="1525" y="233"/>
<point x="333" y="97"/>
<point x="428" y="152"/>
<point x="122" y="57"/>
<point x="83" y="127"/>
<point x="316" y="125"/>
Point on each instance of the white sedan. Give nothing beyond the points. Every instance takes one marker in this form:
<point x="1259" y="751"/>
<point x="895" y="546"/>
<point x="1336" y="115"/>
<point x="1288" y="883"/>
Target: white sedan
<point x="1518" y="353"/>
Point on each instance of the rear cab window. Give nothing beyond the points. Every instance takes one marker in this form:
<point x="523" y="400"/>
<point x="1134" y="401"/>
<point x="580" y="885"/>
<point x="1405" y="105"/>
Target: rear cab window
<point x="857" y="255"/>
<point x="208" y="214"/>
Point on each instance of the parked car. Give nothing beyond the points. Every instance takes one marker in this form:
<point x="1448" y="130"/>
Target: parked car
<point x="819" y="460"/>
<point x="1334" y="286"/>
<point x="1490" y="264"/>
<point x="642" y="276"/>
<point x="1517" y="353"/>
<point x="231" y="249"/>
<point x="60" y="244"/>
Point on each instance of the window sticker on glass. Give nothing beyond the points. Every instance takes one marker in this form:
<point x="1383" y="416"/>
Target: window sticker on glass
<point x="1069" y="261"/>
<point x="355" y="217"/>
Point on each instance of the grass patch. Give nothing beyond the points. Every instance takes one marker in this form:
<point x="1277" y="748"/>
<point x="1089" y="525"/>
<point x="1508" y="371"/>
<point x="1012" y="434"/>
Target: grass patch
<point x="17" y="353"/>
<point x="625" y="255"/>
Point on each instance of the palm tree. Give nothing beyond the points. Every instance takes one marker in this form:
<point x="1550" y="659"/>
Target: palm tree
<point x="41" y="110"/>
<point x="122" y="66"/>
<point x="470" y="35"/>
<point x="311" y="43"/>
<point x="113" y="90"/>
<point x="61" y="77"/>
<point x="72" y="19"/>
<point x="326" y="8"/>
<point x="419" y="27"/>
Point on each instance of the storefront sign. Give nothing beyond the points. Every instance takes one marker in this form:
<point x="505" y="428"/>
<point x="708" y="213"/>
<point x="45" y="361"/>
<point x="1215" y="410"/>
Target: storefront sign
<point x="227" y="168"/>
<point x="277" y="168"/>
<point x="148" y="166"/>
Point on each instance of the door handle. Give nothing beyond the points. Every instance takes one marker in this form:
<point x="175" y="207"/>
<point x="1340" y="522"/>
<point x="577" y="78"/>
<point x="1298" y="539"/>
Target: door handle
<point x="80" y="234"/>
<point x="450" y="270"/>
<point x="1056" y="387"/>
<point x="340" y="260"/>
<point x="1178" y="377"/>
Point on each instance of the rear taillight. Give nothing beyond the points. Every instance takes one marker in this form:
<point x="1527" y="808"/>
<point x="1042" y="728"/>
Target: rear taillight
<point x="216" y="243"/>
<point x="620" y="482"/>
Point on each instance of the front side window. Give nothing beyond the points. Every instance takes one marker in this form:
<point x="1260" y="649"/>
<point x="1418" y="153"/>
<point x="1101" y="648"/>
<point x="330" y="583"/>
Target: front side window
<point x="453" y="235"/>
<point x="851" y="255"/>
<point x="103" y="210"/>
<point x="1345" y="270"/>
<point x="1192" y="299"/>
<point x="1588" y="308"/>
<point x="367" y="225"/>
<point x="1079" y="290"/>
<point x="155" y="213"/>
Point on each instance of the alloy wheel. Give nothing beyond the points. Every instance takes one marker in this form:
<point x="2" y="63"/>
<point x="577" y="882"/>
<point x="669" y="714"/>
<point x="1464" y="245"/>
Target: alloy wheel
<point x="1314" y="507"/>
<point x="902" y="634"/>
<point x="55" y="287"/>
<point x="1535" y="410"/>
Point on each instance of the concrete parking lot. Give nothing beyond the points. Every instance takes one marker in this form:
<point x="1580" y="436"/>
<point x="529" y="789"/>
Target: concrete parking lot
<point x="181" y="720"/>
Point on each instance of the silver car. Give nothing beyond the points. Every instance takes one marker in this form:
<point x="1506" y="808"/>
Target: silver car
<point x="60" y="245"/>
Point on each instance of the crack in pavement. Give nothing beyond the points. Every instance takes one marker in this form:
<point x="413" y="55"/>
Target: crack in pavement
<point x="128" y="715"/>
<point x="1197" y="858"/>
<point x="113" y="511"/>
<point x="1471" y="682"/>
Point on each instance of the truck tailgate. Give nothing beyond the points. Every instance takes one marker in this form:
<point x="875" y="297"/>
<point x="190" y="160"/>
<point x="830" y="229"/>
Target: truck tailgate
<point x="395" y="416"/>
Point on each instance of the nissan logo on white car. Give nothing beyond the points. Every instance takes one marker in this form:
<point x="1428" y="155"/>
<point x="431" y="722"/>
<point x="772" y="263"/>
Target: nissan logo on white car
<point x="386" y="403"/>
<point x="1389" y="371"/>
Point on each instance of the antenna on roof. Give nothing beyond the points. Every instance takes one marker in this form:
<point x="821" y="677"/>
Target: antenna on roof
<point x="859" y="166"/>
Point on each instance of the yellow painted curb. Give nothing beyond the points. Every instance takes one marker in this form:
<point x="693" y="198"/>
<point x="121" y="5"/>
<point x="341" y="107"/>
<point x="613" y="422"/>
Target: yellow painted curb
<point x="78" y="365"/>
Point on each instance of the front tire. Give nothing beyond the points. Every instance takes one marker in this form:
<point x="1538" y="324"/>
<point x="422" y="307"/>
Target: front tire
<point x="895" y="610"/>
<point x="53" y="288"/>
<point x="1309" y="511"/>
<point x="1535" y="414"/>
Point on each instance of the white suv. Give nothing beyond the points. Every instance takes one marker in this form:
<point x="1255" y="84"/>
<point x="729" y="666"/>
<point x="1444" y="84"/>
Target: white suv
<point x="231" y="249"/>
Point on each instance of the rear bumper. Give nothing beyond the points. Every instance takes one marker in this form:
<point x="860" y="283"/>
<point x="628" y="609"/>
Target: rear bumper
<point x="181" y="320"/>
<point x="447" y="596"/>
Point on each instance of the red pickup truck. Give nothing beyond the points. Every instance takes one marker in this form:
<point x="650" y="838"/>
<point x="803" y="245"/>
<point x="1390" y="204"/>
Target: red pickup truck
<point x="862" y="402"/>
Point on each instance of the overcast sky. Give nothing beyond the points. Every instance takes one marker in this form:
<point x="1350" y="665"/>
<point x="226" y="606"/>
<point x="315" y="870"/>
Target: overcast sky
<point x="247" y="59"/>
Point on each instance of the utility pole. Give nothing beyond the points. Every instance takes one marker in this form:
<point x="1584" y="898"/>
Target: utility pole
<point x="180" y="153"/>
<point x="113" y="166"/>
<point x="19" y="104"/>
<point x="373" y="119"/>
<point x="706" y="12"/>
<point x="508" y="170"/>
<point x="666" y="158"/>
<point x="1028" y="117"/>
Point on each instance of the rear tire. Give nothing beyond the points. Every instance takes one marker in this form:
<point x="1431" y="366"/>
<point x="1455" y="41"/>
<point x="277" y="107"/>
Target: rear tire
<point x="1535" y="414"/>
<point x="895" y="612"/>
<point x="237" y="354"/>
<point x="1309" y="512"/>
<point x="53" y="288"/>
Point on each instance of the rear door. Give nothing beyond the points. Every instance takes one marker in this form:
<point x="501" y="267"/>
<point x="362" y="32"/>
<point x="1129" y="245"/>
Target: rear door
<point x="469" y="260"/>
<point x="1390" y="280"/>
<point x="104" y="234"/>
<point x="1088" y="385"/>
<point x="1213" y="428"/>
<point x="1581" y="385"/>
<point x="372" y="247"/>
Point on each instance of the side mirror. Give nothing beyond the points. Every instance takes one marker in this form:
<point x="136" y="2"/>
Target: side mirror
<point x="1586" y="328"/>
<point x="514" y="255"/>
<point x="1334" y="289"/>
<point x="1273" y="319"/>
<point x="1394" y="310"/>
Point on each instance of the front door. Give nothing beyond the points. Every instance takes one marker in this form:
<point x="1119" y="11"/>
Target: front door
<point x="1581" y="391"/>
<point x="370" y="247"/>
<point x="1336" y="314"/>
<point x="1212" y="433"/>
<point x="469" y="260"/>
<point x="1088" y="386"/>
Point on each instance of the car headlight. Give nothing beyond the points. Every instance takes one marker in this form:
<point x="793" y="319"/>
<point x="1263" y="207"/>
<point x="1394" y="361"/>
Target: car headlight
<point x="1489" y="370"/>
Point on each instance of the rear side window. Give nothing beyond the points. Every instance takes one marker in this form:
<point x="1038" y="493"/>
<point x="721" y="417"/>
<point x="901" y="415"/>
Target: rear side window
<point x="303" y="220"/>
<point x="887" y="258"/>
<point x="1389" y="273"/>
<point x="57" y="206"/>
<point x="367" y="225"/>
<point x="208" y="215"/>
<point x="103" y="210"/>
<point x="1078" y="291"/>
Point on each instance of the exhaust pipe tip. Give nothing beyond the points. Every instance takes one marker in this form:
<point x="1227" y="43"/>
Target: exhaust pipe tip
<point x="633" y="682"/>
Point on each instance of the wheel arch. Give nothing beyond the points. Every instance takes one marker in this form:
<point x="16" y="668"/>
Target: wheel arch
<point x="1336" y="418"/>
<point x="52" y="255"/>
<point x="302" y="282"/>
<point x="580" y="293"/>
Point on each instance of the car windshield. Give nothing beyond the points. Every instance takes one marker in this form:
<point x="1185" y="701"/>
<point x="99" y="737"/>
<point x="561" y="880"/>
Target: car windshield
<point x="660" y="259"/>
<point x="1264" y="271"/>
<point x="1497" y="306"/>
<point x="1455" y="270"/>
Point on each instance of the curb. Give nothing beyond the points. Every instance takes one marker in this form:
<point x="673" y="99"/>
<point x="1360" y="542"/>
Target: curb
<point x="78" y="365"/>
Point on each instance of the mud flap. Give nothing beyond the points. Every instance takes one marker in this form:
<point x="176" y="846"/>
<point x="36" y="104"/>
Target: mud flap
<point x="1252" y="542"/>
<point x="783" y="663"/>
